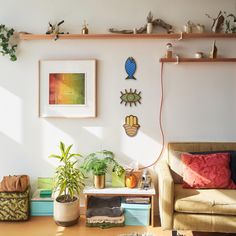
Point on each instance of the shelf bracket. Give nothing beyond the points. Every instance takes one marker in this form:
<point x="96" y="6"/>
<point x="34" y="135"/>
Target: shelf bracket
<point x="181" y="36"/>
<point x="177" y="60"/>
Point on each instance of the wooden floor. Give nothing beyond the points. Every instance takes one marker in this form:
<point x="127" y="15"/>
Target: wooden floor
<point x="45" y="226"/>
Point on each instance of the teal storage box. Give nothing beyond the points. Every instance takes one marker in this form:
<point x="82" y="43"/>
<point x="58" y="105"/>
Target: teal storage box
<point x="41" y="208"/>
<point x="136" y="214"/>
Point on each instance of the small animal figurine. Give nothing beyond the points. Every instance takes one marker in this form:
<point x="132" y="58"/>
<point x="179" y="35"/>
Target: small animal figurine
<point x="146" y="180"/>
<point x="130" y="68"/>
<point x="213" y="52"/>
<point x="55" y="29"/>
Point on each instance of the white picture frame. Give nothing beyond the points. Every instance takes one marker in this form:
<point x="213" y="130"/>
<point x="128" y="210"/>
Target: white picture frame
<point x="57" y="99"/>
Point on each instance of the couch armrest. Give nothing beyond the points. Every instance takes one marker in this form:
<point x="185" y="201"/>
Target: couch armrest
<point x="166" y="195"/>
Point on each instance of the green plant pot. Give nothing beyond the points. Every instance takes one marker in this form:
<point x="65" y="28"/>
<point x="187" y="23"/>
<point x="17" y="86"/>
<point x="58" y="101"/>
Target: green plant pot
<point x="117" y="181"/>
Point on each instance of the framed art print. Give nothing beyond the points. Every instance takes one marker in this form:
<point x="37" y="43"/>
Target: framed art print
<point x="67" y="88"/>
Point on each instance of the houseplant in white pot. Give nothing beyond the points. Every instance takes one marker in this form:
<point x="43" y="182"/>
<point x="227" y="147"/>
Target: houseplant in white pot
<point x="69" y="181"/>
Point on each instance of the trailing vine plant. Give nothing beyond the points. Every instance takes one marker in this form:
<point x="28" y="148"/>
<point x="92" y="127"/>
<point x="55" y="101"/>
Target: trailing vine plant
<point x="6" y="48"/>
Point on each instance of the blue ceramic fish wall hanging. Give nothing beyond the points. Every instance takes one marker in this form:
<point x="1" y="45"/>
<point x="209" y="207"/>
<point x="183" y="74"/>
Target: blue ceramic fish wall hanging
<point x="130" y="68"/>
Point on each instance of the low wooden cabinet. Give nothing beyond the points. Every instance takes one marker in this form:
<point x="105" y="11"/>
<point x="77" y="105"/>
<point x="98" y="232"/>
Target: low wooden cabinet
<point x="123" y="192"/>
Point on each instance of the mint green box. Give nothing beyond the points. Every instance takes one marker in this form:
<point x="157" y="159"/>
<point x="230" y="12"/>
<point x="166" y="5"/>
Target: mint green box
<point x="41" y="208"/>
<point x="136" y="214"/>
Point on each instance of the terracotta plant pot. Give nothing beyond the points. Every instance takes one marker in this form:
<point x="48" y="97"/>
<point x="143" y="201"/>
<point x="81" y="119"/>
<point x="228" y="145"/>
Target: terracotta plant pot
<point x="66" y="213"/>
<point x="99" y="181"/>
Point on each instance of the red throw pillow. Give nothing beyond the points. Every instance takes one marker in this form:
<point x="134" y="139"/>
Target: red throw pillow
<point x="206" y="170"/>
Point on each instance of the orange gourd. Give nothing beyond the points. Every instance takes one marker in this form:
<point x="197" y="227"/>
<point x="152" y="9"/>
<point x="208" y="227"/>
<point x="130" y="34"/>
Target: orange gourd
<point x="131" y="181"/>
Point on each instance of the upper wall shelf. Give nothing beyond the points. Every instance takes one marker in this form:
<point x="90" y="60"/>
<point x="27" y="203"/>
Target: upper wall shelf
<point x="175" y="60"/>
<point x="24" y="36"/>
<point x="27" y="36"/>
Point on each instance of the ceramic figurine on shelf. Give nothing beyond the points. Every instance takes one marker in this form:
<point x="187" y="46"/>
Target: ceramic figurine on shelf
<point x="213" y="52"/>
<point x="188" y="28"/>
<point x="146" y="180"/>
<point x="169" y="50"/>
<point x="218" y="22"/>
<point x="149" y="23"/>
<point x="85" y="28"/>
<point x="55" y="29"/>
<point x="230" y="24"/>
<point x="200" y="28"/>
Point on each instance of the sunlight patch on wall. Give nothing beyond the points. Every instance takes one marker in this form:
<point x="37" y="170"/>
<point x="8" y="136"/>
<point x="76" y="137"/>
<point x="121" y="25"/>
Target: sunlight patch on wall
<point x="51" y="137"/>
<point x="96" y="131"/>
<point x="11" y="115"/>
<point x="140" y="148"/>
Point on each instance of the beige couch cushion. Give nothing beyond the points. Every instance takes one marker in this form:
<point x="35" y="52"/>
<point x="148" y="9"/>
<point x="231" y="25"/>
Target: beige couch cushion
<point x="209" y="201"/>
<point x="205" y="222"/>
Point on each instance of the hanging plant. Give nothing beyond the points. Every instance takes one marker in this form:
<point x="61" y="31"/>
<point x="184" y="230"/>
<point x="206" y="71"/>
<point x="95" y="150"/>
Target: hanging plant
<point x="6" y="48"/>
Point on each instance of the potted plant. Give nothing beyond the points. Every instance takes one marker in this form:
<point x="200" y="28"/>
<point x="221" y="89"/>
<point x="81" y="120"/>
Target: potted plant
<point x="6" y="47"/>
<point x="118" y="175"/>
<point x="69" y="181"/>
<point x="97" y="163"/>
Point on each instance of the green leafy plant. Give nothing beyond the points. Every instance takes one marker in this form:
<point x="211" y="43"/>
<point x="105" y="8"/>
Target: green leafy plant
<point x="118" y="169"/>
<point x="98" y="162"/>
<point x="69" y="179"/>
<point x="6" y="48"/>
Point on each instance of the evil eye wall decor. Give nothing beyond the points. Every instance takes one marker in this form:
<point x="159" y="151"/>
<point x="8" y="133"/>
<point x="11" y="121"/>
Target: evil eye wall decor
<point x="130" y="68"/>
<point x="130" y="97"/>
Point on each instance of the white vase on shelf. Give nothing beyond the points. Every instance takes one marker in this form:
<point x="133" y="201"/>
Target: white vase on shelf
<point x="149" y="28"/>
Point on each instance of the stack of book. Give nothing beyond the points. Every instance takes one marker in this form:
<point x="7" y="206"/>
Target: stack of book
<point x="137" y="200"/>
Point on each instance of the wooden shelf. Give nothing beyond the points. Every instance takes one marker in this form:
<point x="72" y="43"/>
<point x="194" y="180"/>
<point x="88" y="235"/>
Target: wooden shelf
<point x="180" y="60"/>
<point x="207" y="36"/>
<point x="27" y="36"/>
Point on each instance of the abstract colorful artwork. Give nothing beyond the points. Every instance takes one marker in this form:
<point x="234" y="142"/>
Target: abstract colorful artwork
<point x="67" y="89"/>
<point x="131" y="125"/>
<point x="131" y="97"/>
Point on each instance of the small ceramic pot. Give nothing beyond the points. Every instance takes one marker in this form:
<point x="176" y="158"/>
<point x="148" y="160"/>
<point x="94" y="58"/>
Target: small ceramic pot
<point x="149" y="28"/>
<point x="200" y="28"/>
<point x="188" y="29"/>
<point x="199" y="55"/>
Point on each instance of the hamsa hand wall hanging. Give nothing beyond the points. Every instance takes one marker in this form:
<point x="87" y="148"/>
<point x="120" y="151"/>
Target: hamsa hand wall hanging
<point x="131" y="125"/>
<point x="130" y="97"/>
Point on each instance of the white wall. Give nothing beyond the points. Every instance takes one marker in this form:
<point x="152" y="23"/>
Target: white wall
<point x="199" y="98"/>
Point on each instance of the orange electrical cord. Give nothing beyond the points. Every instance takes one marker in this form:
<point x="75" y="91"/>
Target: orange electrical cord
<point x="160" y="122"/>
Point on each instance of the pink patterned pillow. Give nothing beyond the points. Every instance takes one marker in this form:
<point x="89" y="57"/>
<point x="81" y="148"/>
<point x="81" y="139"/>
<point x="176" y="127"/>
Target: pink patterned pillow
<point x="206" y="170"/>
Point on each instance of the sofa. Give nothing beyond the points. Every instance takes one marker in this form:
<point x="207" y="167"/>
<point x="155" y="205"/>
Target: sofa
<point x="204" y="210"/>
